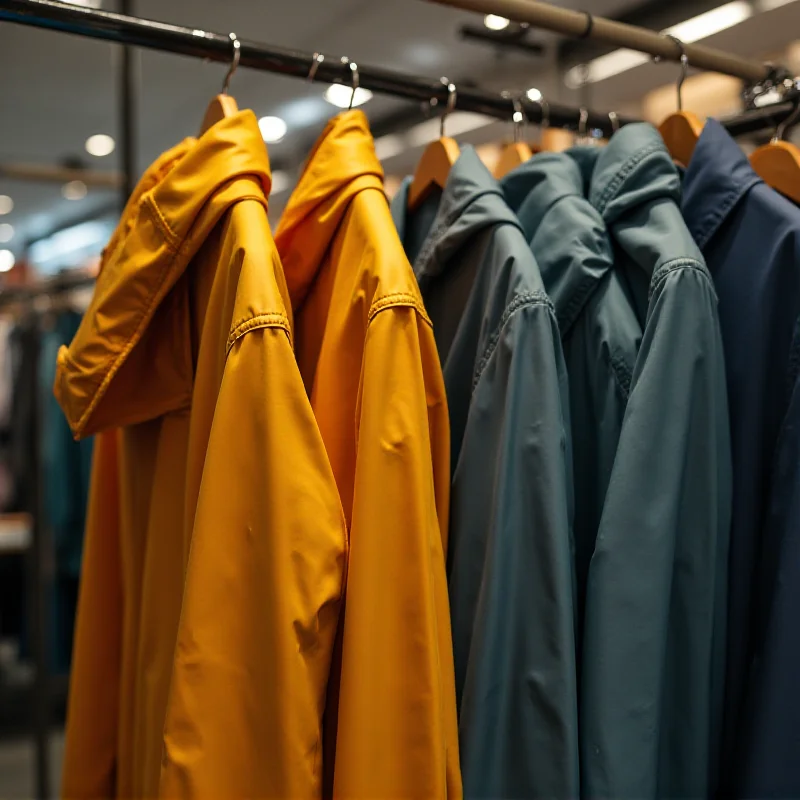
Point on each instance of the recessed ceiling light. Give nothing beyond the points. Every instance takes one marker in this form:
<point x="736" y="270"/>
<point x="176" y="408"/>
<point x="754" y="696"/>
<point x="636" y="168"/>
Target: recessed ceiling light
<point x="534" y="95"/>
<point x="101" y="144"/>
<point x="338" y="94"/>
<point x="273" y="129"/>
<point x="7" y="260"/>
<point x="6" y="204"/>
<point x="495" y="23"/>
<point x="6" y="232"/>
<point x="74" y="190"/>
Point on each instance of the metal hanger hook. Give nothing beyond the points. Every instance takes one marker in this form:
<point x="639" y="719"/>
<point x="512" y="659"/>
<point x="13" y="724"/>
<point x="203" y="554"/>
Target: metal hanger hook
<point x="356" y="81"/>
<point x="684" y="67"/>
<point x="787" y="124"/>
<point x="237" y="54"/>
<point x="316" y="60"/>
<point x="452" y="96"/>
<point x="582" y="124"/>
<point x="545" y="106"/>
<point x="519" y="119"/>
<point x="614" y="119"/>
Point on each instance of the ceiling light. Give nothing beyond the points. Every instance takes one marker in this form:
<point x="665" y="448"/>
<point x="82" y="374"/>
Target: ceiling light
<point x="6" y="204"/>
<point x="688" y="31"/>
<point x="338" y="94"/>
<point x="74" y="190"/>
<point x="101" y="144"/>
<point x="534" y="95"/>
<point x="495" y="23"/>
<point x="85" y="3"/>
<point x="273" y="129"/>
<point x="7" y="260"/>
<point x="6" y="232"/>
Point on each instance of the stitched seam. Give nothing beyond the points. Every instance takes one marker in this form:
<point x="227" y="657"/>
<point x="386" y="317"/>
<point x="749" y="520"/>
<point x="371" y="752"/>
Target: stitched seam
<point x="258" y="321"/>
<point x="521" y="301"/>
<point x="577" y="302"/>
<point x="155" y="213"/>
<point x="622" y="175"/>
<point x="144" y="315"/>
<point x="621" y="374"/>
<point x="660" y="275"/>
<point x="397" y="299"/>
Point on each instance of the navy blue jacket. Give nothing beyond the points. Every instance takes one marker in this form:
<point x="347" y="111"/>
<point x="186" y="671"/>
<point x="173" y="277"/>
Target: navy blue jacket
<point x="750" y="237"/>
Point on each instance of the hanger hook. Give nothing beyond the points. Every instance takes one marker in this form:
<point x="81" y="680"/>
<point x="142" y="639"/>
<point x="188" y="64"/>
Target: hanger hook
<point x="684" y="67"/>
<point x="582" y="123"/>
<point x="316" y="60"/>
<point x="356" y="81"/>
<point x="518" y="118"/>
<point x="237" y="54"/>
<point x="614" y="119"/>
<point x="787" y="124"/>
<point x="452" y="96"/>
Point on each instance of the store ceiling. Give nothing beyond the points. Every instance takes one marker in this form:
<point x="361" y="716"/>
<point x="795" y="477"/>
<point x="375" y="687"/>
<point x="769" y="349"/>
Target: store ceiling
<point x="59" y="89"/>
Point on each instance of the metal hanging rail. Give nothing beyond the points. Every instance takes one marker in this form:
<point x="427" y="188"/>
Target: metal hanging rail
<point x="582" y="24"/>
<point x="161" y="36"/>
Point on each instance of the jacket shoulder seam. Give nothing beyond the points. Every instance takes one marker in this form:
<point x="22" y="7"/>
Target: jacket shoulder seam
<point x="520" y="301"/>
<point x="397" y="299"/>
<point x="271" y="320"/>
<point x="682" y="262"/>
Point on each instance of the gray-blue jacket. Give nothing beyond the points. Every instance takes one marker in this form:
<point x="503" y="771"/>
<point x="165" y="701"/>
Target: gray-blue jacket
<point x="509" y="562"/>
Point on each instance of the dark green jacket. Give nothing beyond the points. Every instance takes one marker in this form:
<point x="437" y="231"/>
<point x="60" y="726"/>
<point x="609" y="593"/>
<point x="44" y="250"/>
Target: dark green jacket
<point x="600" y="332"/>
<point x="653" y="648"/>
<point x="509" y="561"/>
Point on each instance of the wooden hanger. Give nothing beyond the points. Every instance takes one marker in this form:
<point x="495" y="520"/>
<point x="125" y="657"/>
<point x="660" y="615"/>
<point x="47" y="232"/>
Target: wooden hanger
<point x="516" y="152"/>
<point x="436" y="161"/>
<point x="223" y="105"/>
<point x="681" y="130"/>
<point x="778" y="163"/>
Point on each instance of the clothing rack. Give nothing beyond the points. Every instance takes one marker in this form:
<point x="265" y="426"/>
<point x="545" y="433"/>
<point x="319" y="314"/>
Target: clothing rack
<point x="188" y="41"/>
<point x="584" y="25"/>
<point x="129" y="30"/>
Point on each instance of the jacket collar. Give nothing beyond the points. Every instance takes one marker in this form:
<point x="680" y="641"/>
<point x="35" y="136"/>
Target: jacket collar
<point x="176" y="204"/>
<point x="567" y="235"/>
<point x="717" y="177"/>
<point x="471" y="201"/>
<point x="342" y="164"/>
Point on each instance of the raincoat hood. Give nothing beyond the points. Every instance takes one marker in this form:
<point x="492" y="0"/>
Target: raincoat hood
<point x="566" y="233"/>
<point x="131" y="358"/>
<point x="342" y="164"/>
<point x="471" y="201"/>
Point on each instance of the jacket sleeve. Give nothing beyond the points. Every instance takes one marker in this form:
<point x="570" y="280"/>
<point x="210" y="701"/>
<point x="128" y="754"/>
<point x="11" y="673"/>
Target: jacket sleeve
<point x="511" y="574"/>
<point x="263" y="589"/>
<point x="90" y="753"/>
<point x="396" y="733"/>
<point x="655" y="614"/>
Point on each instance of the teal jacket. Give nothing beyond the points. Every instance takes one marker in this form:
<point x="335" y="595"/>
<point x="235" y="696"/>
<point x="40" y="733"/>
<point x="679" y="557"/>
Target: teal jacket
<point x="509" y="562"/>
<point x="654" y="639"/>
<point x="600" y="332"/>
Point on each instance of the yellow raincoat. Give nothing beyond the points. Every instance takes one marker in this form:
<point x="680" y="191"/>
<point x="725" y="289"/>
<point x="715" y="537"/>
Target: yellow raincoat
<point x="211" y="467"/>
<point x="369" y="361"/>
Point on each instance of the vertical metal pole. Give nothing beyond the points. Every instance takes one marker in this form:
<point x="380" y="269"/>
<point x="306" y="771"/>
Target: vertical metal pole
<point x="127" y="119"/>
<point x="41" y="595"/>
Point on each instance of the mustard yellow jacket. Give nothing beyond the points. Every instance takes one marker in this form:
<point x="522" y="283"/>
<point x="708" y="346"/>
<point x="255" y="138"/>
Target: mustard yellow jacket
<point x="210" y="466"/>
<point x="369" y="362"/>
<point x="251" y="459"/>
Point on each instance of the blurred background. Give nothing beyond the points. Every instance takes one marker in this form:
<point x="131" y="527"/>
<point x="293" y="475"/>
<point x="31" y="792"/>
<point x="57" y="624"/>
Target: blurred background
<point x="62" y="184"/>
